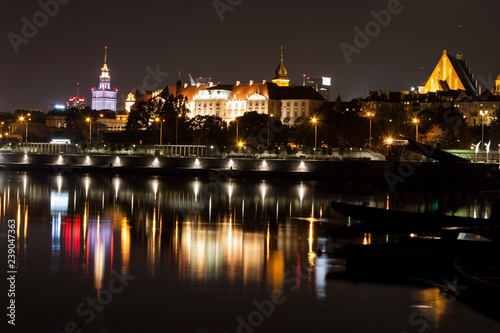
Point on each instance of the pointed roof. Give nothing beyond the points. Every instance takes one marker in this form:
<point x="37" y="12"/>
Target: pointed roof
<point x="179" y="82"/>
<point x="451" y="73"/>
<point x="105" y="68"/>
<point x="281" y="73"/>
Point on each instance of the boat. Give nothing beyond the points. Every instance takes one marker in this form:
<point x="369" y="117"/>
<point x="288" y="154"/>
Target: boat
<point x="461" y="258"/>
<point x="390" y="220"/>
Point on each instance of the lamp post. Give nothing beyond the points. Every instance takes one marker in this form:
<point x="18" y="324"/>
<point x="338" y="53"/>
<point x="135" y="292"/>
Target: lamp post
<point x="416" y="121"/>
<point x="482" y="114"/>
<point x="90" y="129"/>
<point x="177" y="128"/>
<point x="98" y="126"/>
<point x="21" y="119"/>
<point x="27" y="124"/>
<point x="315" y="122"/>
<point x="370" y="115"/>
<point x="268" y="132"/>
<point x="161" y="131"/>
<point x="1" y="125"/>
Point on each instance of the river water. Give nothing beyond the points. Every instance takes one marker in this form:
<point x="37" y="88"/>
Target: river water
<point x="101" y="253"/>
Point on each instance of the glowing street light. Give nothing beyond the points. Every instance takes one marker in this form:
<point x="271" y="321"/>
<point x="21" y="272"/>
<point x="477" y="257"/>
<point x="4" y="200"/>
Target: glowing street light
<point x="161" y="131"/>
<point x="370" y="115"/>
<point x="482" y="114"/>
<point x="98" y="126"/>
<point x="177" y="129"/>
<point x="21" y="119"/>
<point x="315" y="122"/>
<point x="268" y="132"/>
<point x="416" y="121"/>
<point x="90" y="129"/>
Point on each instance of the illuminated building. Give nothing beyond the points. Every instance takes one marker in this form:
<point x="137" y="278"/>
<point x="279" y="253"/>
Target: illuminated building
<point x="479" y="109"/>
<point x="292" y="104"/>
<point x="129" y="102"/>
<point x="451" y="73"/>
<point x="321" y="85"/>
<point x="103" y="97"/>
<point x="76" y="103"/>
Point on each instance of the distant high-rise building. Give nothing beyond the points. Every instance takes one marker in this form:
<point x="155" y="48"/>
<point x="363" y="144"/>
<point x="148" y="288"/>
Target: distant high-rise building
<point x="76" y="102"/>
<point x="321" y="85"/>
<point x="103" y="97"/>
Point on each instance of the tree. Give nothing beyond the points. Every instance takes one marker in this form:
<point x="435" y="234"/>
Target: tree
<point x="210" y="130"/>
<point x="252" y="128"/>
<point x="76" y="124"/>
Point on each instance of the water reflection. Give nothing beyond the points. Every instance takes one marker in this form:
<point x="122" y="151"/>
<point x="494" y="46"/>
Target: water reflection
<point x="233" y="233"/>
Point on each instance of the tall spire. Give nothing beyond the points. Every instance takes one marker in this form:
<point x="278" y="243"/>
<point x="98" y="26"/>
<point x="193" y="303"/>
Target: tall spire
<point x="179" y="82"/>
<point x="281" y="74"/>
<point x="105" y="67"/>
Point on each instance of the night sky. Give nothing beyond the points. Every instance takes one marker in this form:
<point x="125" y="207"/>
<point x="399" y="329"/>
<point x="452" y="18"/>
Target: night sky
<point x="146" y="36"/>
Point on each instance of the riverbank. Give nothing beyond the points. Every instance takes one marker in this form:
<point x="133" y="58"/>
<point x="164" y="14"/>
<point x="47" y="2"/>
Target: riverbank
<point x="392" y="174"/>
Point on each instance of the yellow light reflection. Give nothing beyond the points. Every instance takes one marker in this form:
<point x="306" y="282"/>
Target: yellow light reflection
<point x="367" y="239"/>
<point x="311" y="232"/>
<point x="125" y="239"/>
<point x="275" y="270"/>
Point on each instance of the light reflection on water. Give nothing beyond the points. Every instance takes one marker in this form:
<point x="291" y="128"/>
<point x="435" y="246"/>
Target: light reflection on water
<point x="234" y="235"/>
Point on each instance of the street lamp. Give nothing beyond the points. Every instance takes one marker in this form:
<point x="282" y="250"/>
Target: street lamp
<point x="268" y="132"/>
<point x="27" y="123"/>
<point x="21" y="119"/>
<point x="416" y="121"/>
<point x="177" y="129"/>
<point x="1" y="124"/>
<point x="482" y="114"/>
<point x="90" y="129"/>
<point x="315" y="122"/>
<point x="98" y="126"/>
<point x="370" y="115"/>
<point x="161" y="130"/>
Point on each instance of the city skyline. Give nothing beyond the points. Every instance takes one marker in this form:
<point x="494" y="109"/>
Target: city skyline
<point x="396" y="52"/>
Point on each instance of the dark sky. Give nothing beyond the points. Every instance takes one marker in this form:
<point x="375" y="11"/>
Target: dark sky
<point x="188" y="35"/>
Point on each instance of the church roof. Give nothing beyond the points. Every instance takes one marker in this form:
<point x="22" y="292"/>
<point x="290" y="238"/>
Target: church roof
<point x="464" y="74"/>
<point x="281" y="73"/>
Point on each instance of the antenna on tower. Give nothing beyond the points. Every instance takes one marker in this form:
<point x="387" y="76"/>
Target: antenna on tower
<point x="77" y="90"/>
<point x="105" y="54"/>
